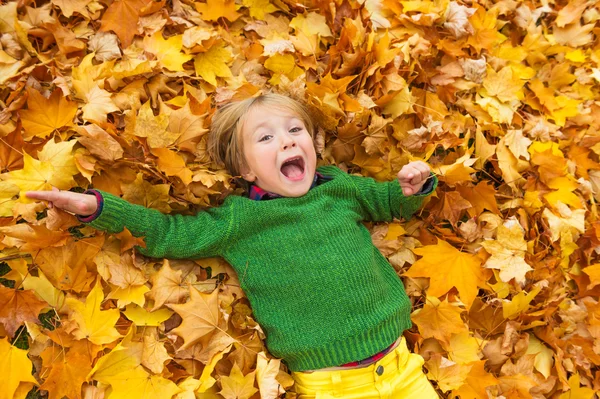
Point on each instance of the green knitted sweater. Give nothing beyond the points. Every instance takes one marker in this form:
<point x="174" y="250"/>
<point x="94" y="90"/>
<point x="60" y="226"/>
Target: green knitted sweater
<point x="319" y="288"/>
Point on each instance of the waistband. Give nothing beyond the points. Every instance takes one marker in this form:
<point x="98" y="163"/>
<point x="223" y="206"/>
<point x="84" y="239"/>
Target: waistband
<point x="389" y="365"/>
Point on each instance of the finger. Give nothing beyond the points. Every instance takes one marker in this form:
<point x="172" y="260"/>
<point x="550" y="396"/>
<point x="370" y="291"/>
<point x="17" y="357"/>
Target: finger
<point x="407" y="190"/>
<point x="43" y="195"/>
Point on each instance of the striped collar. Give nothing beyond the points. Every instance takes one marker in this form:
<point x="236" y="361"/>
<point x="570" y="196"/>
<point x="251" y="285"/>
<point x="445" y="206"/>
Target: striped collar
<point x="258" y="194"/>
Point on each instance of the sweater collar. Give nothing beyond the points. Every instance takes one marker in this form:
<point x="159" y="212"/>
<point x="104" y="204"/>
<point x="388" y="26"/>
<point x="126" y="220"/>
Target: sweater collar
<point x="258" y="194"/>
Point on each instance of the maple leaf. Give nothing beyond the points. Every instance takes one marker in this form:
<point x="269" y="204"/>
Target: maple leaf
<point x="67" y="375"/>
<point x="44" y="116"/>
<point x="122" y="17"/>
<point x="15" y="368"/>
<point x="447" y="374"/>
<point x="476" y="382"/>
<point x="99" y="143"/>
<point x="438" y="319"/>
<point x="213" y="63"/>
<point x="266" y="373"/>
<point x="508" y="252"/>
<point x="259" y="8"/>
<point x="17" y="307"/>
<point x="168" y="286"/>
<point x="154" y="128"/>
<point x="200" y="316"/>
<point x="447" y="267"/>
<point x="94" y="324"/>
<point x="167" y="52"/>
<point x="99" y="105"/>
<point x="154" y="353"/>
<point x="215" y="9"/>
<point x="238" y="386"/>
<point x="139" y="384"/>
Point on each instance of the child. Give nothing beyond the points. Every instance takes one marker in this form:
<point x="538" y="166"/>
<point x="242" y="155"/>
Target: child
<point x="331" y="306"/>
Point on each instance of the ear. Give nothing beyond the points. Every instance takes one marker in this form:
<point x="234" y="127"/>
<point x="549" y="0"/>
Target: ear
<point x="247" y="174"/>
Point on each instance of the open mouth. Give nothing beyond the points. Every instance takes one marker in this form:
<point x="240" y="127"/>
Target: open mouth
<point x="293" y="168"/>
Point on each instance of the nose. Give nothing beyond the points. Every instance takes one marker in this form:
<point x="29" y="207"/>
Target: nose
<point x="287" y="142"/>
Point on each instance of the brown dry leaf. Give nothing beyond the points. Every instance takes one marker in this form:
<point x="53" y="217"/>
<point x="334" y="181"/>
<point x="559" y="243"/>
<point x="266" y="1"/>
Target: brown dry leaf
<point x="200" y="316"/>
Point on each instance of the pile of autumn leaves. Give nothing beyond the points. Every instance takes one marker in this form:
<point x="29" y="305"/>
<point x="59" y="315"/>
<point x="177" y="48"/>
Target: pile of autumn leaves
<point x="502" y="262"/>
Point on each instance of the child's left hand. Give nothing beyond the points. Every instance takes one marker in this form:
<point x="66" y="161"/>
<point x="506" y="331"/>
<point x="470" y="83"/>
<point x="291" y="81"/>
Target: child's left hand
<point x="413" y="176"/>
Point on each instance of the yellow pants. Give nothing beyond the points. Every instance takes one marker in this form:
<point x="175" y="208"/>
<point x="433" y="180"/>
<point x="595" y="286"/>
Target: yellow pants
<point x="398" y="375"/>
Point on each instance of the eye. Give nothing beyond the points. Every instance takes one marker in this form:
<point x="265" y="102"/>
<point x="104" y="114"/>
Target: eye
<point x="295" y="129"/>
<point x="265" y="137"/>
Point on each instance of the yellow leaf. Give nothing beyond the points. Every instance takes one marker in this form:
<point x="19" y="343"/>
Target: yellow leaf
<point x="499" y="111"/>
<point x="397" y="104"/>
<point x="463" y="348"/>
<point x="568" y="221"/>
<point x="8" y="191"/>
<point x="173" y="164"/>
<point x="236" y="385"/>
<point x="311" y="24"/>
<point x="44" y="116"/>
<point x="44" y="289"/>
<point x="576" y="391"/>
<point x="35" y="175"/>
<point x="138" y="384"/>
<point x="131" y="294"/>
<point x="99" y="105"/>
<point x="564" y="187"/>
<point x="142" y="317"/>
<point x="258" y="8"/>
<point x="124" y="357"/>
<point x="459" y="172"/>
<point x="503" y="85"/>
<point x="98" y="326"/>
<point x="283" y="64"/>
<point x="154" y="128"/>
<point x="447" y="267"/>
<point x="508" y="252"/>
<point x="215" y="9"/>
<point x="15" y="367"/>
<point x="206" y="381"/>
<point x="213" y="63"/>
<point x="60" y="156"/>
<point x="144" y="193"/>
<point x="519" y="303"/>
<point x="167" y="52"/>
<point x="543" y="355"/>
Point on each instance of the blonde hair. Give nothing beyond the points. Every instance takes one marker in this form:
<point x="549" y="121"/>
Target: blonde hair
<point x="225" y="145"/>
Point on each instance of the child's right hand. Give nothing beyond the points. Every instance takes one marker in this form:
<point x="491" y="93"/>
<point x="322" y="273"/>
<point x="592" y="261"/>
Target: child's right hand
<point x="79" y="204"/>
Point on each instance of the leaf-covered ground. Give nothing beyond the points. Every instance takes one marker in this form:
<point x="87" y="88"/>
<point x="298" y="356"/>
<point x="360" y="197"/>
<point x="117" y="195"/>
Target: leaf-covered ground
<point x="500" y="98"/>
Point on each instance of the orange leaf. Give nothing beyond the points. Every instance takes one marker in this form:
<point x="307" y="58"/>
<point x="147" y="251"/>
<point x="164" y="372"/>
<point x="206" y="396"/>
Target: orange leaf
<point x="122" y="18"/>
<point x="44" y="116"/>
<point x="18" y="306"/>
<point x="447" y="267"/>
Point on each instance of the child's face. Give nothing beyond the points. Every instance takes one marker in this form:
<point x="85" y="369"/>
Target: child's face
<point x="279" y="152"/>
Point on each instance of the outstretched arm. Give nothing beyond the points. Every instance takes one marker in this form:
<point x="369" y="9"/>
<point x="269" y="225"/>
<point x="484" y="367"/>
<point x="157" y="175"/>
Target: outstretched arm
<point x="171" y="236"/>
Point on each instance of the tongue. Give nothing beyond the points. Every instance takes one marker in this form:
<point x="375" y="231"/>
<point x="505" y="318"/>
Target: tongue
<point x="292" y="171"/>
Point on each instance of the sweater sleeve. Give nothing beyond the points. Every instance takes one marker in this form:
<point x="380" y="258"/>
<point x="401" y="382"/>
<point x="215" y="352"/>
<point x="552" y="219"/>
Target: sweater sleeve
<point x="383" y="201"/>
<point x="167" y="236"/>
